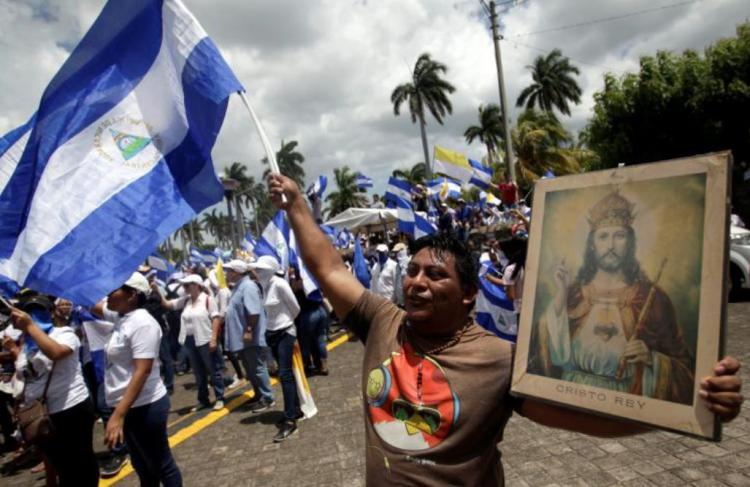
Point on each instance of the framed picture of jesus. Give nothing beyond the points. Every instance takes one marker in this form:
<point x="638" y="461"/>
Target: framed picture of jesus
<point x="624" y="299"/>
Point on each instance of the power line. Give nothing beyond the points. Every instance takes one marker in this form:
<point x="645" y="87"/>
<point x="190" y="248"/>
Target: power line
<point x="605" y="19"/>
<point x="547" y="51"/>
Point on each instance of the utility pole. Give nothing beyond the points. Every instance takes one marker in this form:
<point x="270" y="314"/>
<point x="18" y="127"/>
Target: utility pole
<point x="496" y="37"/>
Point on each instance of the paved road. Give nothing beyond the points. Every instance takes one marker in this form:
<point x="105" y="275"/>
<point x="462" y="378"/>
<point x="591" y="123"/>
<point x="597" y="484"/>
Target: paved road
<point x="237" y="449"/>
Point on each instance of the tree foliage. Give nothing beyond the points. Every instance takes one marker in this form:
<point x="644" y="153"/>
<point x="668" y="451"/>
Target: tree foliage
<point x="542" y="144"/>
<point x="679" y="105"/>
<point x="416" y="175"/>
<point x="554" y="84"/>
<point x="676" y="105"/>
<point x="426" y="88"/>
<point x="489" y="131"/>
<point x="348" y="195"/>
<point x="290" y="162"/>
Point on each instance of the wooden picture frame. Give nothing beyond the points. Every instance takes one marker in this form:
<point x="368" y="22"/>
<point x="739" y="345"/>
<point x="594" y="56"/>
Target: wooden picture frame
<point x="603" y="247"/>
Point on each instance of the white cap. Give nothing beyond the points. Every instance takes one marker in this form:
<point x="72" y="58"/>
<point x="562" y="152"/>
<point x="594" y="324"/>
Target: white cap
<point x="138" y="282"/>
<point x="265" y="262"/>
<point x="236" y="265"/>
<point x="192" y="279"/>
<point x="382" y="248"/>
<point x="399" y="247"/>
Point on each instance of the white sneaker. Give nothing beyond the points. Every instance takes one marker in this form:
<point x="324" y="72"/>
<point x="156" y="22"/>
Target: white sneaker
<point x="236" y="383"/>
<point x="218" y="405"/>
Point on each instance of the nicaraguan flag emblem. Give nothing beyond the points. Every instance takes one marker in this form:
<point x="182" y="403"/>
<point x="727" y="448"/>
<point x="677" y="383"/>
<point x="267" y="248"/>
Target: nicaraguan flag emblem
<point x="129" y="144"/>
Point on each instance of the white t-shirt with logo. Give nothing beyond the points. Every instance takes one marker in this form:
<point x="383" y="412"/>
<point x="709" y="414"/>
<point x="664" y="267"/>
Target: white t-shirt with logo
<point x="66" y="388"/>
<point x="136" y="335"/>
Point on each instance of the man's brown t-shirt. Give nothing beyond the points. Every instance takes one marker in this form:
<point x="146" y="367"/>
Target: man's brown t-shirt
<point x="434" y="419"/>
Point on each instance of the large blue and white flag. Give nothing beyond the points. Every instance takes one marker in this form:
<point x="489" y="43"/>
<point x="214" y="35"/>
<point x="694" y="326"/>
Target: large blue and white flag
<point x="248" y="243"/>
<point x="12" y="147"/>
<point x="495" y="311"/>
<point x="397" y="188"/>
<point x="318" y="187"/>
<point x="362" y="181"/>
<point x="481" y="176"/>
<point x="278" y="241"/>
<point x="119" y="156"/>
<point x="361" y="269"/>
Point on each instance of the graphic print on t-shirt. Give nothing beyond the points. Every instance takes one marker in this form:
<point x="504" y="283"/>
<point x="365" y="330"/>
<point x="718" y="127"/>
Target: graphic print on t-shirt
<point x="411" y="404"/>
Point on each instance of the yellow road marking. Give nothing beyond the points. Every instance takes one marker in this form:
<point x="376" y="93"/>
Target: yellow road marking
<point x="207" y="420"/>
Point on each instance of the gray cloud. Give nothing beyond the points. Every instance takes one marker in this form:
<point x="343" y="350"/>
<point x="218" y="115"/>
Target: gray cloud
<point x="322" y="71"/>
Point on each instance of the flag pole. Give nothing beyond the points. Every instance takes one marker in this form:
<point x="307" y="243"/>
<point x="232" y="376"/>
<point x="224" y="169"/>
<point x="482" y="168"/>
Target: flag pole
<point x="263" y="138"/>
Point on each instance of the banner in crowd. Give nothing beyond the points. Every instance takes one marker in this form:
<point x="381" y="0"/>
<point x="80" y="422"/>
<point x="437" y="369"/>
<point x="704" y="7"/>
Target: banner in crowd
<point x="118" y="156"/>
<point x="361" y="268"/>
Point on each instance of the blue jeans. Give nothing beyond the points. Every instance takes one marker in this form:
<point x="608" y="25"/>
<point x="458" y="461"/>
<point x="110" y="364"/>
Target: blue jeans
<point x="254" y="358"/>
<point x="146" y="436"/>
<point x="313" y="331"/>
<point x="282" y="346"/>
<point x="167" y="363"/>
<point x="203" y="365"/>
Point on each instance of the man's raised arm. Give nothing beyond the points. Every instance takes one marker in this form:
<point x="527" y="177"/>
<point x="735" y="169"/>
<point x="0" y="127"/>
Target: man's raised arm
<point x="341" y="288"/>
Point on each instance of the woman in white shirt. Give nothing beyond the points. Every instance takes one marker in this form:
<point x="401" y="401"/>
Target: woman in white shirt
<point x="199" y="327"/>
<point x="281" y="310"/>
<point x="54" y="350"/>
<point x="133" y="386"/>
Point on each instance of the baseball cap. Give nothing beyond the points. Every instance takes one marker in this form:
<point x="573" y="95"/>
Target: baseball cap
<point x="399" y="247"/>
<point x="138" y="282"/>
<point x="192" y="279"/>
<point x="236" y="265"/>
<point x="265" y="262"/>
<point x="382" y="248"/>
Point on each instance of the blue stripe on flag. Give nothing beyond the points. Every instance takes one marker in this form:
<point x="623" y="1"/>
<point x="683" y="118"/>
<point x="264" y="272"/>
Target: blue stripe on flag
<point x="12" y="137"/>
<point x="397" y="188"/>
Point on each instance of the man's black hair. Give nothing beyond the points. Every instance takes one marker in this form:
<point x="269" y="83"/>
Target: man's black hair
<point x="467" y="271"/>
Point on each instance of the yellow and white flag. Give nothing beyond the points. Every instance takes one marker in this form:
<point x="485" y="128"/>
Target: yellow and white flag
<point x="306" y="402"/>
<point x="451" y="163"/>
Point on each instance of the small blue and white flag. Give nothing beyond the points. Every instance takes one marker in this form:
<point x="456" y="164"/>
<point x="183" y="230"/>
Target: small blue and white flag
<point x="318" y="187"/>
<point x="344" y="239"/>
<point x="405" y="213"/>
<point x="361" y="269"/>
<point x="411" y="222"/>
<point x="248" y="243"/>
<point x="119" y="155"/>
<point x="330" y="232"/>
<point x="481" y="176"/>
<point x="444" y="188"/>
<point x="205" y="257"/>
<point x="548" y="174"/>
<point x="97" y="333"/>
<point x="423" y="226"/>
<point x="278" y="241"/>
<point x="162" y="266"/>
<point x="495" y="311"/>
<point x="397" y="188"/>
<point x="362" y="181"/>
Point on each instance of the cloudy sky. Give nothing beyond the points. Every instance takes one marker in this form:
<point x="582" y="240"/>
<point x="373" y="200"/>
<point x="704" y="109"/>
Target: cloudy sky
<point x="321" y="71"/>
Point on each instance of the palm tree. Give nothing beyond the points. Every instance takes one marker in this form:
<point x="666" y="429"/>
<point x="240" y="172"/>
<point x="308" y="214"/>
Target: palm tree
<point x="348" y="194"/>
<point x="489" y="131"/>
<point x="554" y="85"/>
<point x="290" y="163"/>
<point x="541" y="143"/>
<point x="425" y="88"/>
<point x="213" y="224"/>
<point x="415" y="175"/>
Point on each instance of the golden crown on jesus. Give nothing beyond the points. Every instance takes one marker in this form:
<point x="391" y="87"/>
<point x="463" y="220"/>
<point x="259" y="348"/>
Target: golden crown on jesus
<point x="612" y="210"/>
